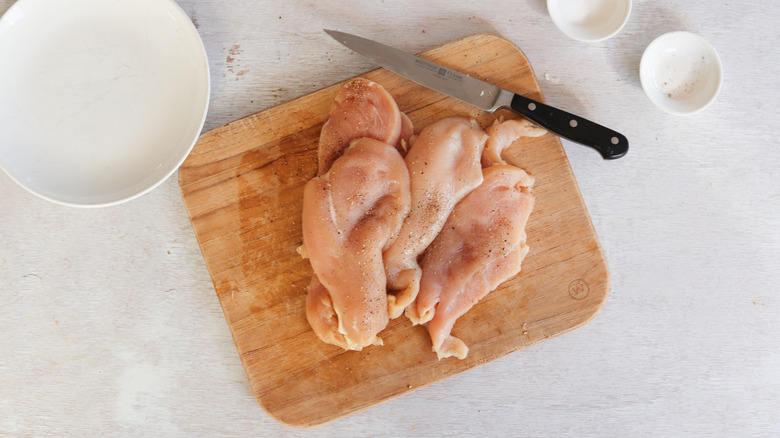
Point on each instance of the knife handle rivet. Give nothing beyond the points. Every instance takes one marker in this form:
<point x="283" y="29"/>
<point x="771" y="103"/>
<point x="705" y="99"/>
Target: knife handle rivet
<point x="615" y="140"/>
<point x="531" y="106"/>
<point x="573" y="123"/>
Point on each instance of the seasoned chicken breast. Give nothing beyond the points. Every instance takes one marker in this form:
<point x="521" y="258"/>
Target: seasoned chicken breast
<point x="362" y="109"/>
<point x="481" y="245"/>
<point x="444" y="166"/>
<point x="351" y="215"/>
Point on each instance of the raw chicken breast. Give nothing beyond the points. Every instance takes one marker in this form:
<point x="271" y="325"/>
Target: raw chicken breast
<point x="351" y="214"/>
<point x="362" y="109"/>
<point x="444" y="166"/>
<point x="407" y="132"/>
<point x="481" y="245"/>
<point x="502" y="134"/>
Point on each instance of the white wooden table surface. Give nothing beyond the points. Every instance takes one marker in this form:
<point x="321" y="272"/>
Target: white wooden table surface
<point x="110" y="325"/>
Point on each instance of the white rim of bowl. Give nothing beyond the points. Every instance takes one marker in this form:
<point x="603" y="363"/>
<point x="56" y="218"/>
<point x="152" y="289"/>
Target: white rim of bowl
<point x="646" y="87"/>
<point x="560" y="24"/>
<point x="178" y="164"/>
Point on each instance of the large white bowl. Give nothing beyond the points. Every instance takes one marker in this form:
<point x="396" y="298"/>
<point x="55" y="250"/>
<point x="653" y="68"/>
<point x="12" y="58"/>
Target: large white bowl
<point x="589" y="20"/>
<point x="681" y="73"/>
<point x="100" y="101"/>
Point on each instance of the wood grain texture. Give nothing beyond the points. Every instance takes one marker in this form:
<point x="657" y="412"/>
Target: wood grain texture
<point x="243" y="186"/>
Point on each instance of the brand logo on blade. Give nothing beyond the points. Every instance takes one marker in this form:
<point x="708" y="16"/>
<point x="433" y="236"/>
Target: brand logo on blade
<point x="440" y="71"/>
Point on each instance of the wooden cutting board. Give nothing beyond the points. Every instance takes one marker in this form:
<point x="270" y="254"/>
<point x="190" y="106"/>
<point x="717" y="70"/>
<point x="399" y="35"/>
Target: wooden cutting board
<point x="243" y="185"/>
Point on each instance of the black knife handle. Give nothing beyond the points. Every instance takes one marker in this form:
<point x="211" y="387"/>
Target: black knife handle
<point x="609" y="143"/>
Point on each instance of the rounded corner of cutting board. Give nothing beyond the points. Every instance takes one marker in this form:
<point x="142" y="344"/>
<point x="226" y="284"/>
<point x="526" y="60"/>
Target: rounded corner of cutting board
<point x="602" y="295"/>
<point x="484" y="40"/>
<point x="599" y="295"/>
<point x="294" y="421"/>
<point x="482" y="37"/>
<point x="470" y="41"/>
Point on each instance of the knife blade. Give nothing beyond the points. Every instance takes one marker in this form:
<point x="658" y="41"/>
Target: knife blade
<point x="487" y="97"/>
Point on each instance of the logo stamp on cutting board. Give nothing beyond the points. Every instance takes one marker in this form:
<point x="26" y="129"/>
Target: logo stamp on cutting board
<point x="578" y="289"/>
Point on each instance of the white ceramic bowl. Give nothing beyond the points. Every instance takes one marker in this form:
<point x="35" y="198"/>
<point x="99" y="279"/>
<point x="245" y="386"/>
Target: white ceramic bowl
<point x="101" y="101"/>
<point x="681" y="73"/>
<point x="589" y="20"/>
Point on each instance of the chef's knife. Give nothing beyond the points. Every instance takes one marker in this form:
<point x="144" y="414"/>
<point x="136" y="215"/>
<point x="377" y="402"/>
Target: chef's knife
<point x="487" y="97"/>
